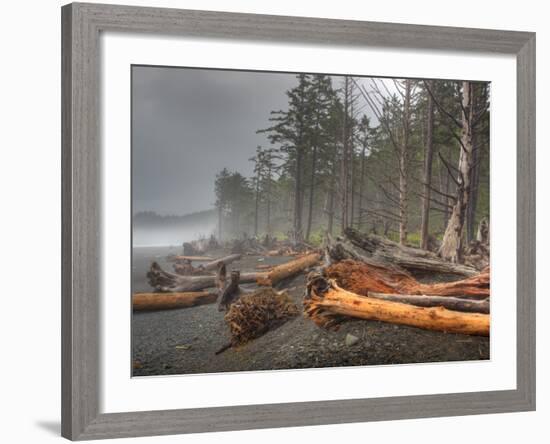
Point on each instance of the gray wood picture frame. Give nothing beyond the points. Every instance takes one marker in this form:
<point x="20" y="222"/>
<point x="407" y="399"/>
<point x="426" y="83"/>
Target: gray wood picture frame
<point x="81" y="167"/>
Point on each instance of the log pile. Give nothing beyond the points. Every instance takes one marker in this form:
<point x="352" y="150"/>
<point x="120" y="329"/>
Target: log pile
<point x="370" y="277"/>
<point x="164" y="281"/>
<point x="327" y="305"/>
<point x="412" y="259"/>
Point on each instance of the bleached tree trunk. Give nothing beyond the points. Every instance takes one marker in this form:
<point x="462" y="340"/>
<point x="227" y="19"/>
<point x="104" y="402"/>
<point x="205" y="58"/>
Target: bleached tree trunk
<point x="330" y="211"/>
<point x="424" y="228"/>
<point x="351" y="166"/>
<point x="268" y="202"/>
<point x="220" y="216"/>
<point x="472" y="204"/>
<point x="452" y="245"/>
<point x="403" y="155"/>
<point x="345" y="166"/>
<point x="298" y="194"/>
<point x="331" y="204"/>
<point x="256" y="205"/>
<point x="446" y="188"/>
<point x="311" y="193"/>
<point x="362" y="186"/>
<point x="477" y="142"/>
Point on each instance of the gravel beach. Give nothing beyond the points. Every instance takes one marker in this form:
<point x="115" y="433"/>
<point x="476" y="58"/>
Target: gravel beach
<point x="184" y="341"/>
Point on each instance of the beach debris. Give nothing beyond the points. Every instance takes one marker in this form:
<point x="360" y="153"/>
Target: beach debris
<point x="253" y="314"/>
<point x="327" y="304"/>
<point x="362" y="278"/>
<point x="170" y="301"/>
<point x="385" y="251"/>
<point x="185" y="267"/>
<point x="164" y="281"/>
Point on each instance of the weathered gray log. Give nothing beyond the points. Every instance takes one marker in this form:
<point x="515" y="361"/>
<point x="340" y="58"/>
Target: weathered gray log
<point x="213" y="265"/>
<point x="449" y="302"/>
<point x="164" y="281"/>
<point x="185" y="267"/>
<point x="409" y="258"/>
<point x="340" y="250"/>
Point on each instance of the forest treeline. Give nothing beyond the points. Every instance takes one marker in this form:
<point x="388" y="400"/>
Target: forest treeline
<point x="403" y="158"/>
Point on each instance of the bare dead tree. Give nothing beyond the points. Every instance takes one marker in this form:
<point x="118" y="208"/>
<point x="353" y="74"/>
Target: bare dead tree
<point x="428" y="156"/>
<point x="452" y="245"/>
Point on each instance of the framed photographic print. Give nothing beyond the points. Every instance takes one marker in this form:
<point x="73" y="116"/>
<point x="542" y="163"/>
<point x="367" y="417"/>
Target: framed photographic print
<point x="263" y="215"/>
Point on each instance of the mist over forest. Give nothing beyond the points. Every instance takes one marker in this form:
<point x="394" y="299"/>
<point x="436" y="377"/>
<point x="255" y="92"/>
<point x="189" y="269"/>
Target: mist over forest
<point x="152" y="229"/>
<point x="401" y="158"/>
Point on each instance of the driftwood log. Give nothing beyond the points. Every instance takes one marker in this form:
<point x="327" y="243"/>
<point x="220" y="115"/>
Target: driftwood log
<point x="284" y="271"/>
<point x="327" y="304"/>
<point x="179" y="258"/>
<point x="412" y="259"/>
<point x="449" y="302"/>
<point x="164" y="281"/>
<point x="185" y="267"/>
<point x="169" y="301"/>
<point x="362" y="278"/>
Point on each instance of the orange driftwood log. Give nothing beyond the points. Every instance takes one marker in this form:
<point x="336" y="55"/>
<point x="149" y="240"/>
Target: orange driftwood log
<point x="326" y="303"/>
<point x="283" y="271"/>
<point x="169" y="301"/>
<point x="362" y="278"/>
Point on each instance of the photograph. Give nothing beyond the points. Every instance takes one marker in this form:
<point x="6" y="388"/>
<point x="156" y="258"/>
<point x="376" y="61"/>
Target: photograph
<point x="285" y="220"/>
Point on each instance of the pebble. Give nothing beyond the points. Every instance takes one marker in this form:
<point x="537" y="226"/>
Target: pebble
<point x="351" y="340"/>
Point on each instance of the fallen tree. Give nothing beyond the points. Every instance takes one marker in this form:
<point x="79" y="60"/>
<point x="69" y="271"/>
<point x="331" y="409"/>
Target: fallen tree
<point x="180" y="258"/>
<point x="284" y="271"/>
<point x="169" y="301"/>
<point x="164" y="281"/>
<point x="411" y="259"/>
<point x="449" y="302"/>
<point x="362" y="278"/>
<point x="186" y="268"/>
<point x="327" y="305"/>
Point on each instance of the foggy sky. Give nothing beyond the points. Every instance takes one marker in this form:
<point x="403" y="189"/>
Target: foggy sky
<point x="190" y="123"/>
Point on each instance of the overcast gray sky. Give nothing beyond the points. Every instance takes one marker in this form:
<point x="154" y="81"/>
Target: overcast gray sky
<point x="190" y="123"/>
